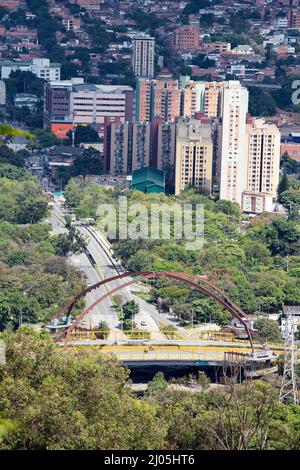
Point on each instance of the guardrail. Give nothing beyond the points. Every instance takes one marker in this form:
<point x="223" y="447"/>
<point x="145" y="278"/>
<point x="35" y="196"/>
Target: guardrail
<point x="114" y="335"/>
<point x="140" y="353"/>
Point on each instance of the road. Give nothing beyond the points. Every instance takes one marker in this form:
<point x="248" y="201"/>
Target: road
<point x="106" y="266"/>
<point x="109" y="267"/>
<point x="105" y="311"/>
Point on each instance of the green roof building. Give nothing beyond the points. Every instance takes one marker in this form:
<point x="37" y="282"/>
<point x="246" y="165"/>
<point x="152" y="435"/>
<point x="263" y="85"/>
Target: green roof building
<point x="148" y="180"/>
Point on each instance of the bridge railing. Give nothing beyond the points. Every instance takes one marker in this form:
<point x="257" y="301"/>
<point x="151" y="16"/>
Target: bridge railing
<point x="147" y="334"/>
<point x="178" y="353"/>
<point x="131" y="335"/>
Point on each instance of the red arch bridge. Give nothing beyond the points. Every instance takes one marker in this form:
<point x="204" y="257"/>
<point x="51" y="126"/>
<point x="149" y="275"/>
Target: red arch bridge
<point x="196" y="281"/>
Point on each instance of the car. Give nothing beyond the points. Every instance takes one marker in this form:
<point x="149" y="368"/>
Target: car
<point x="143" y="323"/>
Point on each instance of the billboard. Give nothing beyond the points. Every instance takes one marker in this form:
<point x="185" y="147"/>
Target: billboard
<point x="60" y="129"/>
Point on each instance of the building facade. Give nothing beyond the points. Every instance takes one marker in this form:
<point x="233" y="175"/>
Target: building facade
<point x="40" y="67"/>
<point x="194" y="153"/>
<point x="71" y="102"/>
<point x="143" y="56"/>
<point x="263" y="161"/>
<point x="126" y="146"/>
<point x="187" y="37"/>
<point x="157" y="98"/>
<point x="232" y="158"/>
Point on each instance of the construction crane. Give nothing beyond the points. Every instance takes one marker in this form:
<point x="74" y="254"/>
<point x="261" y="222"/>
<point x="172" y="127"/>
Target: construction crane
<point x="288" y="390"/>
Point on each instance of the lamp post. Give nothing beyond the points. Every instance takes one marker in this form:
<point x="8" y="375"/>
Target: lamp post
<point x="122" y="317"/>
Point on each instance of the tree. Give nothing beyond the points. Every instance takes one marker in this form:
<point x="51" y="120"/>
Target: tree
<point x="67" y="401"/>
<point x="282" y="186"/>
<point x="71" y="243"/>
<point x="7" y="132"/>
<point x="45" y="138"/>
<point x="288" y="164"/>
<point x="207" y="310"/>
<point x="260" y="103"/>
<point x="102" y="330"/>
<point x="7" y="155"/>
<point x="89" y="163"/>
<point x="24" y="82"/>
<point x="157" y="384"/>
<point x="290" y="199"/>
<point x="130" y="309"/>
<point x="268" y="330"/>
<point x="84" y="134"/>
<point x="32" y="209"/>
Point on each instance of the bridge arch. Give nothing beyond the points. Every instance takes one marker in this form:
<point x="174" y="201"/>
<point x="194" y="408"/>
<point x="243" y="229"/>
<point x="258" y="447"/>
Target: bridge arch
<point x="193" y="280"/>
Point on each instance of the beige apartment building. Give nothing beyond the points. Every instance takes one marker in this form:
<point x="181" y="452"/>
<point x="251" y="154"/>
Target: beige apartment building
<point x="143" y="56"/>
<point x="194" y="153"/>
<point x="262" y="173"/>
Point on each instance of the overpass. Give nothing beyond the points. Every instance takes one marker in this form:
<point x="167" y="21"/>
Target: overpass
<point x="135" y="348"/>
<point x="175" y="354"/>
<point x="200" y="283"/>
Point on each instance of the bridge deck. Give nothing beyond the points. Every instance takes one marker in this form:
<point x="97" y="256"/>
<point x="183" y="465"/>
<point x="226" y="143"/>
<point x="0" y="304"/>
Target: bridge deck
<point x="173" y="353"/>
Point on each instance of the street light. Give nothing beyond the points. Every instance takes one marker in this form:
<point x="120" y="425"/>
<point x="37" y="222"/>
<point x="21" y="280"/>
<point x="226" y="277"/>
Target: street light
<point x="122" y="316"/>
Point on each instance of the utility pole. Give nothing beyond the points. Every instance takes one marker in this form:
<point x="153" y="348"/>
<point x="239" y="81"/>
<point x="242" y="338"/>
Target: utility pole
<point x="288" y="390"/>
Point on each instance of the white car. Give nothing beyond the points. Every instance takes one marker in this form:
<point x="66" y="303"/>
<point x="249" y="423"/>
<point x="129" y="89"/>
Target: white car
<point x="143" y="323"/>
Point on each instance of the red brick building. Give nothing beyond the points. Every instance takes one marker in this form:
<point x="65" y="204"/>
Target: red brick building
<point x="187" y="37"/>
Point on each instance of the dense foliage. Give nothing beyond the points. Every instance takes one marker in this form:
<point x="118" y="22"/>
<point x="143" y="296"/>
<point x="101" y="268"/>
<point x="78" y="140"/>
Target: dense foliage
<point x="35" y="278"/>
<point x="51" y="399"/>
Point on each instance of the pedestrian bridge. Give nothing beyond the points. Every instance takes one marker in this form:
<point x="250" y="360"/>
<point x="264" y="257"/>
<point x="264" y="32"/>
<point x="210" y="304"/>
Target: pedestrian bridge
<point x="204" y="353"/>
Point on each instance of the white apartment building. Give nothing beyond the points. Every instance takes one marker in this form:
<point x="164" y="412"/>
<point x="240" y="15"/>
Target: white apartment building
<point x="143" y="56"/>
<point x="232" y="159"/>
<point x="40" y="67"/>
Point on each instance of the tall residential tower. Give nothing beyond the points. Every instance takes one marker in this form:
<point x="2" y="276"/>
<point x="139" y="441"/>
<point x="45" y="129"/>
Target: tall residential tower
<point x="143" y="56"/>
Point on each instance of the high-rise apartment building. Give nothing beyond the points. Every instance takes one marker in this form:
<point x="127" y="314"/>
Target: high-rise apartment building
<point x="159" y="97"/>
<point x="193" y="96"/>
<point x="168" y="98"/>
<point x="194" y="152"/>
<point x="126" y="146"/>
<point x="143" y="56"/>
<point x="187" y="37"/>
<point x="163" y="144"/>
<point x="213" y="96"/>
<point x="68" y="103"/>
<point x="262" y="170"/>
<point x="232" y="158"/>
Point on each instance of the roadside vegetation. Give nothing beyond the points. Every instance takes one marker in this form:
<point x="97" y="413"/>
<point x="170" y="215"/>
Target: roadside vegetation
<point x="35" y="276"/>
<point x="51" y="400"/>
<point x="256" y="261"/>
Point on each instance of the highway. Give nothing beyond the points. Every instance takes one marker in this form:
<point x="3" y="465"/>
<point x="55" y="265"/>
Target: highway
<point x="106" y="266"/>
<point x="105" y="311"/>
<point x="110" y="267"/>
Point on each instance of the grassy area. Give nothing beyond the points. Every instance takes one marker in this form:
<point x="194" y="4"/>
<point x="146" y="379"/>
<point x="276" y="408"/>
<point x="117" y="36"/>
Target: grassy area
<point x="132" y="334"/>
<point x="147" y="296"/>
